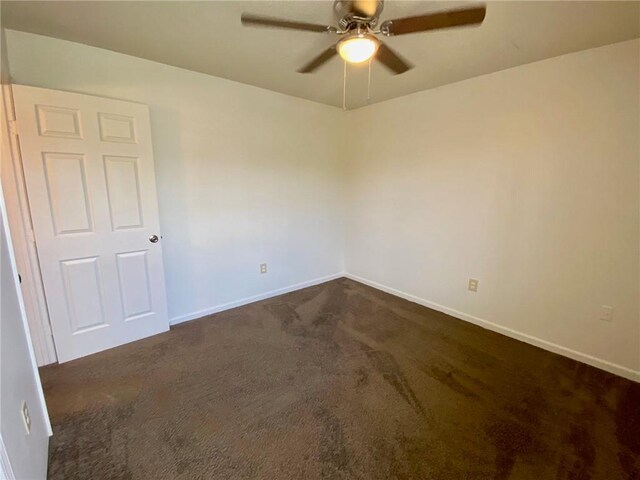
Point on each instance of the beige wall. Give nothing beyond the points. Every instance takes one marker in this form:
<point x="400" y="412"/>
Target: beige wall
<point x="526" y="179"/>
<point x="4" y="58"/>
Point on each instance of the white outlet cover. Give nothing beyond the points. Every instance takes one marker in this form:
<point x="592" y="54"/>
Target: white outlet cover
<point x="606" y="313"/>
<point x="473" y="285"/>
<point x="26" y="418"/>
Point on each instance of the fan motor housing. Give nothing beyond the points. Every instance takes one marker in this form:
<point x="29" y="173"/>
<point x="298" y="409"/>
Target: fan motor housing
<point x="350" y="12"/>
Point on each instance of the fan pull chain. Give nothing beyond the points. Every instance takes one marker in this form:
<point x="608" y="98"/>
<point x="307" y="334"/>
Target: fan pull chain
<point x="344" y="87"/>
<point x="369" y="83"/>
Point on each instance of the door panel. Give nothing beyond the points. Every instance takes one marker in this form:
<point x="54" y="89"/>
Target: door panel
<point x="133" y="271"/>
<point x="90" y="179"/>
<point x="83" y="292"/>
<point x="123" y="187"/>
<point x="58" y="122"/>
<point x="67" y="186"/>
<point x="117" y="128"/>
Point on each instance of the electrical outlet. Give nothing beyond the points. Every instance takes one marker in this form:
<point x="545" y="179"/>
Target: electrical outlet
<point x="606" y="313"/>
<point x="473" y="285"/>
<point x="263" y="268"/>
<point x="26" y="418"/>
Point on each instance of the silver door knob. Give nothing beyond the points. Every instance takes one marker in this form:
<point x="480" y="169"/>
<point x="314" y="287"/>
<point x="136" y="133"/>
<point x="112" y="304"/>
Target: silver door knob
<point x="153" y="238"/>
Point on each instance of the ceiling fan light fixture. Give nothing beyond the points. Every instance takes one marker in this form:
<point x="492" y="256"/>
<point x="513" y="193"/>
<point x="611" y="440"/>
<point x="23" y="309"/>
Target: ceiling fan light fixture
<point x="358" y="25"/>
<point x="357" y="48"/>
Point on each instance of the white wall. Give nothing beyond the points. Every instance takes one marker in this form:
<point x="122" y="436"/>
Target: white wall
<point x="245" y="176"/>
<point x="22" y="455"/>
<point x="526" y="179"/>
<point x="27" y="453"/>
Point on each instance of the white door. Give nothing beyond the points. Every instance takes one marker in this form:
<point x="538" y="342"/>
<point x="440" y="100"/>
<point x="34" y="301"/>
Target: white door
<point x="88" y="166"/>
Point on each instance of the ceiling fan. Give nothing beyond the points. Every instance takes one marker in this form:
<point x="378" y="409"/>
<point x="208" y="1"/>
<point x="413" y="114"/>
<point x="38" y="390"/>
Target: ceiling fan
<point x="358" y="25"/>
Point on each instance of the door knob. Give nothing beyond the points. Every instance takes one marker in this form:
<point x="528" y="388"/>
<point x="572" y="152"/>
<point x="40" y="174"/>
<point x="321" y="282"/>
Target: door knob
<point x="153" y="238"/>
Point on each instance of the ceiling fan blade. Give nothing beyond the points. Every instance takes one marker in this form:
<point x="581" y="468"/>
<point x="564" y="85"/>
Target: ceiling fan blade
<point x="321" y="59"/>
<point x="392" y="60"/>
<point x="258" y="21"/>
<point x="434" y="21"/>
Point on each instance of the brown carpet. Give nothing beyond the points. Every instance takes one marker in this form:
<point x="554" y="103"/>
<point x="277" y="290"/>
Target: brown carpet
<point x="338" y="381"/>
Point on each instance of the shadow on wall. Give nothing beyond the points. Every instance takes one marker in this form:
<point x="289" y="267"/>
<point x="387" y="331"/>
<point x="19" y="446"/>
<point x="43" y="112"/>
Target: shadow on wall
<point x="173" y="209"/>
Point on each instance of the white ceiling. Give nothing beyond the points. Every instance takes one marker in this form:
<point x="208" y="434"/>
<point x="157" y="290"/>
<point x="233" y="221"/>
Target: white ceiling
<point x="207" y="37"/>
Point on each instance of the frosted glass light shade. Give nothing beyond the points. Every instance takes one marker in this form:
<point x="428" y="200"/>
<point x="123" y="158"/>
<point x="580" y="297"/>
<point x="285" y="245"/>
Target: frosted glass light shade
<point x="357" y="49"/>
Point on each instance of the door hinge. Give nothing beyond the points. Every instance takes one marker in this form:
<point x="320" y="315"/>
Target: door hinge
<point x="47" y="328"/>
<point x="13" y="128"/>
<point x="31" y="236"/>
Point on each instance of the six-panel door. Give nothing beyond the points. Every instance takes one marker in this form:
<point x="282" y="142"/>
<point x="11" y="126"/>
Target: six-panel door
<point x="89" y="172"/>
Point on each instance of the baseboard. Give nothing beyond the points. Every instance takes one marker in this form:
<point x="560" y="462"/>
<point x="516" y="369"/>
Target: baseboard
<point x="253" y="298"/>
<point x="538" y="342"/>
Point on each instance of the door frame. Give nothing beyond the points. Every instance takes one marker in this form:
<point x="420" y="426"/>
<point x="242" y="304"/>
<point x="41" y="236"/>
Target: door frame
<point x="22" y="236"/>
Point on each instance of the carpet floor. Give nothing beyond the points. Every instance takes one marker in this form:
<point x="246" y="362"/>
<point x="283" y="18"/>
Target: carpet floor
<point x="338" y="381"/>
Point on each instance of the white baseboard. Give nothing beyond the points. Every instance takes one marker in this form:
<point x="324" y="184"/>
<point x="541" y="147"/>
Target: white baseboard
<point x="254" y="298"/>
<point x="544" y="344"/>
